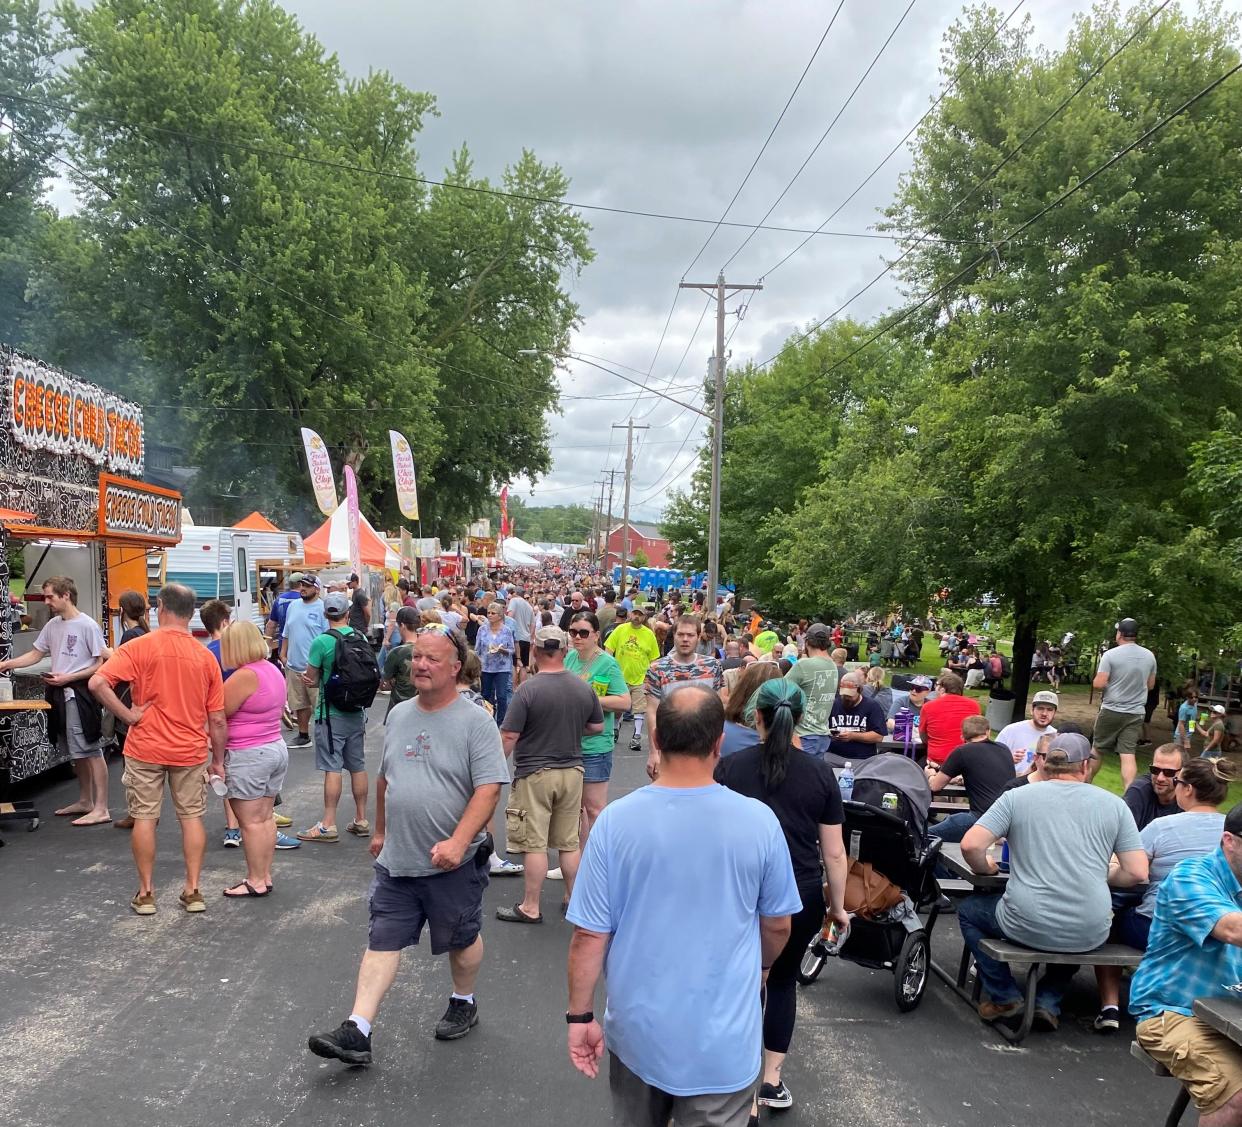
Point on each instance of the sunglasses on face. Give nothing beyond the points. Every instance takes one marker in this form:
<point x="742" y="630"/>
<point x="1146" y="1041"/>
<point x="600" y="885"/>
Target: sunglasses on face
<point x="1167" y="772"/>
<point x="585" y="632"/>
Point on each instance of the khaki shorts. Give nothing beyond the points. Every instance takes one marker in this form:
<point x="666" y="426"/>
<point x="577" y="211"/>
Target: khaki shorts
<point x="543" y="810"/>
<point x="1117" y="731"/>
<point x="144" y="789"/>
<point x="1208" y="1063"/>
<point x="300" y="694"/>
<point x="638" y="700"/>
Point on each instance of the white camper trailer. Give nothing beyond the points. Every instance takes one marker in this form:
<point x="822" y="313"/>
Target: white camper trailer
<point x="225" y="564"/>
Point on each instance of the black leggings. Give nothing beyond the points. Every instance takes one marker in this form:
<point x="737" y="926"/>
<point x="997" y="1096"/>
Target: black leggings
<point x="778" y="1015"/>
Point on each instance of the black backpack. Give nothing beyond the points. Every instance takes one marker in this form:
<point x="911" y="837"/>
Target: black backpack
<point x="355" y="675"/>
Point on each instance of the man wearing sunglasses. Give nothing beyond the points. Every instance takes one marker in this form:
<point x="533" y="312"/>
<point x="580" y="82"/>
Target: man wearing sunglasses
<point x="1152" y="796"/>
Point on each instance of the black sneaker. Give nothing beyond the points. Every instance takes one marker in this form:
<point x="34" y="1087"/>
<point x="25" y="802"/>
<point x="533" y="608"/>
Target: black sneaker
<point x="1108" y="1020"/>
<point x="347" y="1042"/>
<point x="458" y="1020"/>
<point x="300" y="740"/>
<point x="775" y="1095"/>
<point x="636" y="745"/>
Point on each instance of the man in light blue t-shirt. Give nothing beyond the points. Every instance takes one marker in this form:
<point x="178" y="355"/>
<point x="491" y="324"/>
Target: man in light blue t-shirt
<point x="683" y="898"/>
<point x="304" y="622"/>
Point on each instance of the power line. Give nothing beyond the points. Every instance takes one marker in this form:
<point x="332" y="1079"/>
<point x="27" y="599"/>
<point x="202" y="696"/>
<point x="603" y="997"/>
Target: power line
<point x="477" y="189"/>
<point x="948" y="89"/>
<point x="767" y="140"/>
<point x="844" y="106"/>
<point x="982" y="181"/>
<point x="1060" y="199"/>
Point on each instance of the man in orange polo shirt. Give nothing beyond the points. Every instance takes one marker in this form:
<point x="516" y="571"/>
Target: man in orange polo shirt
<point x="178" y="708"/>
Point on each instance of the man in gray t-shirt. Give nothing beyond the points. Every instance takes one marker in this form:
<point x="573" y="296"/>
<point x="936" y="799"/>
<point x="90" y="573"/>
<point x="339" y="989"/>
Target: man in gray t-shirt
<point x="439" y="782"/>
<point x="1126" y="674"/>
<point x="1062" y="837"/>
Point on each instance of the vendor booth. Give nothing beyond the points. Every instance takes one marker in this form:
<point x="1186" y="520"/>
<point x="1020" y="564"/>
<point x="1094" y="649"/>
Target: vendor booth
<point x="71" y="462"/>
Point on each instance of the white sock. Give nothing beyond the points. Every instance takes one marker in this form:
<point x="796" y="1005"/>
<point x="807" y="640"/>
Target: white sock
<point x="364" y="1026"/>
<point x="638" y="727"/>
<point x="462" y="997"/>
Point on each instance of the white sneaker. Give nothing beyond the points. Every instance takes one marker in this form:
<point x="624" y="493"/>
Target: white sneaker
<point x="555" y="874"/>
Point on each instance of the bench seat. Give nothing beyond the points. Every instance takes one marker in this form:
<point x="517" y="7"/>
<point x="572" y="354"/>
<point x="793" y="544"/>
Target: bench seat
<point x="1106" y="955"/>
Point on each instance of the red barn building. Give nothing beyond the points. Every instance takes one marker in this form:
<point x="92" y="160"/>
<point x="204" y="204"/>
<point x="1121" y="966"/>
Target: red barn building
<point x="646" y="537"/>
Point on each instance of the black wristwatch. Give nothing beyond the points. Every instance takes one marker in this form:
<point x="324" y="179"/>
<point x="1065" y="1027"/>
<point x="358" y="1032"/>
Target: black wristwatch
<point x="580" y="1019"/>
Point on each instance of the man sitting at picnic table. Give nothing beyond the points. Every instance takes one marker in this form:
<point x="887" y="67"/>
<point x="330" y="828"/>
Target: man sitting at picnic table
<point x="1194" y="951"/>
<point x="985" y="767"/>
<point x="1062" y="836"/>
<point x="856" y="723"/>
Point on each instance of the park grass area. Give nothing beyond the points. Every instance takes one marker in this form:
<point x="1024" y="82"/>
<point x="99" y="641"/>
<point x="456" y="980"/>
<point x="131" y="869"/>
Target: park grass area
<point x="1109" y="775"/>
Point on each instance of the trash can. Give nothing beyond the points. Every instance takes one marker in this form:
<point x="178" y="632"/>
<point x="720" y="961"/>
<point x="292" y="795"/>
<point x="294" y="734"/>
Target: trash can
<point x="1000" y="709"/>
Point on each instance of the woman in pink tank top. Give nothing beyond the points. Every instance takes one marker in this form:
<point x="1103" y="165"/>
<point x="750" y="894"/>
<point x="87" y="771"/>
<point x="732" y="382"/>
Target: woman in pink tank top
<point x="257" y="759"/>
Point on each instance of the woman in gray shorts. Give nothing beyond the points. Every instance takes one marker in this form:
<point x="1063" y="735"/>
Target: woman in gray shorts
<point x="257" y="759"/>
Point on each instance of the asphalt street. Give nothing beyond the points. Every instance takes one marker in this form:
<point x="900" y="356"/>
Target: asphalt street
<point x="190" y="1021"/>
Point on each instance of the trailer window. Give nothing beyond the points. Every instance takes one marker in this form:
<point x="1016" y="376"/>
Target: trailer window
<point x="243" y="576"/>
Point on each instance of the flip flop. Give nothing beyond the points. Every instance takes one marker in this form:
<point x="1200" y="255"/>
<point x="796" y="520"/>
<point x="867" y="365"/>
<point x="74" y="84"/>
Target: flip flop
<point x="71" y="813"/>
<point x="515" y="915"/>
<point x="250" y="891"/>
<point x="101" y="822"/>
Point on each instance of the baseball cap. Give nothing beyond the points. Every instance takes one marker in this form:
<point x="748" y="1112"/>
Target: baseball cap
<point x="1046" y="697"/>
<point x="409" y="617"/>
<point x="818" y="636"/>
<point x="309" y="580"/>
<point x="1127" y="628"/>
<point x="296" y="578"/>
<point x="920" y="684"/>
<point x="551" y="638"/>
<point x="1219" y="709"/>
<point x="1072" y="747"/>
<point x="336" y="605"/>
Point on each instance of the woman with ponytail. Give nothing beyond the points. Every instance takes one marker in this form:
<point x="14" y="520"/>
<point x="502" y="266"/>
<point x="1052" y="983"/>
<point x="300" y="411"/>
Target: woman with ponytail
<point x="802" y="792"/>
<point x="1200" y="787"/>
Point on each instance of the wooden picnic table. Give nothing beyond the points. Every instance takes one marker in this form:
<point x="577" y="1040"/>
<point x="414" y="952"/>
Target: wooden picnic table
<point x="951" y="857"/>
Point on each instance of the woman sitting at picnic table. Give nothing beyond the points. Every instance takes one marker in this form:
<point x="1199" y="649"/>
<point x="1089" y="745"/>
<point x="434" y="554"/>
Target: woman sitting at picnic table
<point x="1201" y="785"/>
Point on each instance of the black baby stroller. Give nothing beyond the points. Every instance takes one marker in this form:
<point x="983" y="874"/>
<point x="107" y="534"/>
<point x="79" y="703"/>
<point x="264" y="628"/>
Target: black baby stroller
<point x="886" y="827"/>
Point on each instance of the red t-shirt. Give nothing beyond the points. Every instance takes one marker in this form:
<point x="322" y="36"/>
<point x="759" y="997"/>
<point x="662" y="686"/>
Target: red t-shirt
<point x="940" y="724"/>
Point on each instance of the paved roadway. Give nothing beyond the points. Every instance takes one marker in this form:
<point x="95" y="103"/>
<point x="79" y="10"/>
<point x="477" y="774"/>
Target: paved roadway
<point x="190" y="1021"/>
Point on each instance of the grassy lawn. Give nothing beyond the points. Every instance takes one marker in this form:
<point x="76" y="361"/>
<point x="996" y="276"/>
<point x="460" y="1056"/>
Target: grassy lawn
<point x="1109" y="775"/>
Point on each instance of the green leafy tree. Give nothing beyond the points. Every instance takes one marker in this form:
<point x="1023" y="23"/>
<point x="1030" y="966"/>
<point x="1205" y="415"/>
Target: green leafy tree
<point x="640" y="558"/>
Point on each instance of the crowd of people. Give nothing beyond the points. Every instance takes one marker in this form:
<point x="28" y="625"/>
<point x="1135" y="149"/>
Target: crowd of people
<point x="506" y="705"/>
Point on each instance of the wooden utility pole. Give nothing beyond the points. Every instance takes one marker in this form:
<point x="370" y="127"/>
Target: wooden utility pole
<point x="721" y="292"/>
<point x="603" y="556"/>
<point x="629" y="428"/>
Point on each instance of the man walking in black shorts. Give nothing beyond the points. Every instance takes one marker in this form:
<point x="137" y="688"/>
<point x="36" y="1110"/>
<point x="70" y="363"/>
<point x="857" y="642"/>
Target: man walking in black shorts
<point x="439" y="782"/>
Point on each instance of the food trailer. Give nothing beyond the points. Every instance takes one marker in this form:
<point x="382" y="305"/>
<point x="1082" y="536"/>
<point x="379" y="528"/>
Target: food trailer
<point x="71" y="463"/>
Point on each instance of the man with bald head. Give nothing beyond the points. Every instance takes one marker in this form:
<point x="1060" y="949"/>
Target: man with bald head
<point x="685" y="890"/>
<point x="438" y="785"/>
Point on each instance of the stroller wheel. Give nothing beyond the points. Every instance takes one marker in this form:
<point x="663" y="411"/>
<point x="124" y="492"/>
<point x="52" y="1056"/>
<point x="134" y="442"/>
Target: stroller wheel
<point x="910" y="971"/>
<point x="813" y="960"/>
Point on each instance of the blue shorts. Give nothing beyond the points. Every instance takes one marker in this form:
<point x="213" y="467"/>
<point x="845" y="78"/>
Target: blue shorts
<point x="345" y="749"/>
<point x="597" y="768"/>
<point x="450" y="904"/>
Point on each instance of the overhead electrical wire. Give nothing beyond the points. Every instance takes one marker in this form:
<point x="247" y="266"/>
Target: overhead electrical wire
<point x="888" y="269"/>
<point x="1078" y="186"/>
<point x="824" y="136"/>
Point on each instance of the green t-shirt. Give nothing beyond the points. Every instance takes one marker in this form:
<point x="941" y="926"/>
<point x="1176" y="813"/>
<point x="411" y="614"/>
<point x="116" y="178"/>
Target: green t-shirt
<point x="817" y="678"/>
<point x="322" y="654"/>
<point x="397" y="671"/>
<point x="604" y="676"/>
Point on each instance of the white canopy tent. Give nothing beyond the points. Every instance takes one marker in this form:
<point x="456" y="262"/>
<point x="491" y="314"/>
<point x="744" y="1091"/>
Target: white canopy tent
<point x="520" y="554"/>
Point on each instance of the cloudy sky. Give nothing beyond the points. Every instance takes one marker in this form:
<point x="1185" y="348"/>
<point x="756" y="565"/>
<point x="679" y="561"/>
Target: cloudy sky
<point x="661" y="105"/>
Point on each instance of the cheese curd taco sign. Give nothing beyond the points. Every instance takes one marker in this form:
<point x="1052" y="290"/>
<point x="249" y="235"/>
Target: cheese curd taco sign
<point x="49" y="411"/>
<point x="135" y="510"/>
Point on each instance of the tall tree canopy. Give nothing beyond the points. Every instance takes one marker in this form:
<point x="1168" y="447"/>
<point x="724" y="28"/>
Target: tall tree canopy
<point x="1038" y="444"/>
<point x="254" y="220"/>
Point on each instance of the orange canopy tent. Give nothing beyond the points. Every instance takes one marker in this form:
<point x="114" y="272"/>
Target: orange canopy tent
<point x="256" y="522"/>
<point x="329" y="543"/>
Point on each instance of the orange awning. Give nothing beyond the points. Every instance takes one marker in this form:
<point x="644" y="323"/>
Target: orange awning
<point x="15" y="515"/>
<point x="256" y="522"/>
